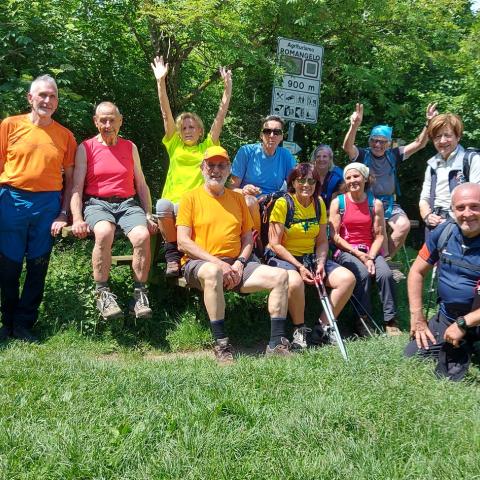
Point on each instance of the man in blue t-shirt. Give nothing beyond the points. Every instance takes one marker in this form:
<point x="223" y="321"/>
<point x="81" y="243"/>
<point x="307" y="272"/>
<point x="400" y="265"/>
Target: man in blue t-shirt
<point x="449" y="336"/>
<point x="262" y="168"/>
<point x="383" y="162"/>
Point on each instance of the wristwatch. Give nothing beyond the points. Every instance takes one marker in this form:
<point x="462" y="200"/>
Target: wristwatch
<point x="461" y="323"/>
<point x="242" y="260"/>
<point x="64" y="212"/>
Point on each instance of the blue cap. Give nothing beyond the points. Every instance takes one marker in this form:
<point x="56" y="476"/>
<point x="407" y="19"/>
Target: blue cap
<point x="382" y="131"/>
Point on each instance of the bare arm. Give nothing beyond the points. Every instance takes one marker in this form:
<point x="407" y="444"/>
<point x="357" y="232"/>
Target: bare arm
<point x="231" y="276"/>
<point x="418" y="323"/>
<point x="349" y="142"/>
<point x="160" y="70"/>
<point x="141" y="186"/>
<point x="321" y="250"/>
<point x="217" y="124"/>
<point x="378" y="233"/>
<point x="142" y="189"/>
<point x="422" y="140"/>
<point x="79" y="227"/>
<point x="62" y="219"/>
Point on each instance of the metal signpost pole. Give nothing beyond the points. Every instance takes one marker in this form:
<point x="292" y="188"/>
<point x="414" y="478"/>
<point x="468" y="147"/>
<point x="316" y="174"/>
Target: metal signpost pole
<point x="291" y="129"/>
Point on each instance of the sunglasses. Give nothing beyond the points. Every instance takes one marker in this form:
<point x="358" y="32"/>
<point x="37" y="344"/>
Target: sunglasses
<point x="275" y="131"/>
<point x="303" y="181"/>
<point x="220" y="166"/>
<point x="374" y="141"/>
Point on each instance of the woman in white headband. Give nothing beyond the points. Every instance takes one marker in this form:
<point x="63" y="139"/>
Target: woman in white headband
<point x="357" y="228"/>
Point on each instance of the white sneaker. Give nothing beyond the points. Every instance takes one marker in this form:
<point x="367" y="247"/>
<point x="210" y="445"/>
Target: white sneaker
<point x="299" y="341"/>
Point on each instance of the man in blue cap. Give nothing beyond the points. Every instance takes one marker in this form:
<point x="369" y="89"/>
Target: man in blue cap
<point x="383" y="162"/>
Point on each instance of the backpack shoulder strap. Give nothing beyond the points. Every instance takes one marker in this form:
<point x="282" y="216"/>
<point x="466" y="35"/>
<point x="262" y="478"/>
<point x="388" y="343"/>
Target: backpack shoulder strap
<point x="467" y="161"/>
<point x="318" y="207"/>
<point x="393" y="166"/>
<point x="371" y="204"/>
<point x="445" y="236"/>
<point x="341" y="204"/>
<point x="290" y="210"/>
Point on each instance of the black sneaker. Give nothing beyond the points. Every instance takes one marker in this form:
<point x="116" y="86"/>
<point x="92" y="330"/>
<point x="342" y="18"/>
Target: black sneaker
<point x="172" y="270"/>
<point x="223" y="351"/>
<point x="299" y="341"/>
<point x="5" y="333"/>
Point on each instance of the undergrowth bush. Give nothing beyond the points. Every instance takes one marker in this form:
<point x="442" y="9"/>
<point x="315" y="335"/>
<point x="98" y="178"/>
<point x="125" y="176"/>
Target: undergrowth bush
<point x="179" y="320"/>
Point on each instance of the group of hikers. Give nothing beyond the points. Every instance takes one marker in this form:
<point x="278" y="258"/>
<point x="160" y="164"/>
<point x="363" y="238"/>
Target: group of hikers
<point x="261" y="222"/>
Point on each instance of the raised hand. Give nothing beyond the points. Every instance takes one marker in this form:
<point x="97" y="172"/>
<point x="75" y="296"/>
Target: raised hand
<point x="227" y="77"/>
<point x="431" y="111"/>
<point x="357" y="116"/>
<point x="159" y="67"/>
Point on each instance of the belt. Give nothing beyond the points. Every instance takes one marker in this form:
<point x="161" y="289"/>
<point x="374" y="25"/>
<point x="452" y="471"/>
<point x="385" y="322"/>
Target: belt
<point x="108" y="199"/>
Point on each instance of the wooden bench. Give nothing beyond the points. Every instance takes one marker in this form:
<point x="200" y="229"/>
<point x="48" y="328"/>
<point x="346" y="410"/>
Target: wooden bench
<point x="117" y="260"/>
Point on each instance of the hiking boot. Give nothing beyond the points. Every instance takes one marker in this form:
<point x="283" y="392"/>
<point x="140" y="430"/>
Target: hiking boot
<point x="173" y="269"/>
<point x="107" y="304"/>
<point x="391" y="329"/>
<point x="5" y="333"/>
<point x="280" y="350"/>
<point x="361" y="327"/>
<point x="299" y="341"/>
<point x="140" y="306"/>
<point x="24" y="334"/>
<point x="223" y="351"/>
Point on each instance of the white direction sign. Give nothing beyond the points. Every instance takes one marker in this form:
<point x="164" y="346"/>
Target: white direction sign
<point x="296" y="97"/>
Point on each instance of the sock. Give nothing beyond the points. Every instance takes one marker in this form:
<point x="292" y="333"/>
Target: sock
<point x="101" y="285"/>
<point x="171" y="252"/>
<point x="277" y="331"/>
<point x="300" y="325"/>
<point x="218" y="328"/>
<point x="139" y="285"/>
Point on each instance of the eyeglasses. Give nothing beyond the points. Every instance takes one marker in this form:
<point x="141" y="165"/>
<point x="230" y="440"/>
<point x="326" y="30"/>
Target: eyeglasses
<point x="220" y="166"/>
<point x="377" y="140"/>
<point x="303" y="181"/>
<point x="275" y="131"/>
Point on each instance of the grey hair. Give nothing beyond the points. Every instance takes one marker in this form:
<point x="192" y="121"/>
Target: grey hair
<point x="461" y="187"/>
<point x="43" y="79"/>
<point x="328" y="148"/>
<point x="108" y="105"/>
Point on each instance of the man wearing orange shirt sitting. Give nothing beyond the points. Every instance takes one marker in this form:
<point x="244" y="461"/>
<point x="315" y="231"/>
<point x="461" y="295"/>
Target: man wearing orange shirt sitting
<point x="214" y="229"/>
<point x="35" y="151"/>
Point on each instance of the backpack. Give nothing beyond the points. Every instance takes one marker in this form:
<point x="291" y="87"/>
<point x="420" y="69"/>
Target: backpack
<point x="267" y="207"/>
<point x="442" y="243"/>
<point x="391" y="161"/>
<point x="452" y="180"/>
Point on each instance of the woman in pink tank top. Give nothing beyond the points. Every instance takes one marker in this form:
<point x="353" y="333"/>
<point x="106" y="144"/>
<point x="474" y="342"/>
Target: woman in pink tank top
<point x="357" y="221"/>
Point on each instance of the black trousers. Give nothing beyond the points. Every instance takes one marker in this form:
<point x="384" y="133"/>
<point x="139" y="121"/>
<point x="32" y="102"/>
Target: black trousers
<point x="452" y="363"/>
<point x="21" y="310"/>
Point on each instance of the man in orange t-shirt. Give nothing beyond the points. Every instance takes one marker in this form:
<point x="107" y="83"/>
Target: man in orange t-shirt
<point x="35" y="153"/>
<point x="214" y="230"/>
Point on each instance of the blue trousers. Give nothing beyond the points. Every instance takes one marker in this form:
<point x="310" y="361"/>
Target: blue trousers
<point x="25" y="222"/>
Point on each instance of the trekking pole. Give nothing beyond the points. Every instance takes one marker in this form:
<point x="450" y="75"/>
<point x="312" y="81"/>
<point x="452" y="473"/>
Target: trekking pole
<point x="406" y="256"/>
<point x="332" y="321"/>
<point x="357" y="302"/>
<point x="431" y="289"/>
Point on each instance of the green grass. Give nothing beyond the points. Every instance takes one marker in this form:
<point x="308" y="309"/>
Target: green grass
<point x="80" y="408"/>
<point x="99" y="401"/>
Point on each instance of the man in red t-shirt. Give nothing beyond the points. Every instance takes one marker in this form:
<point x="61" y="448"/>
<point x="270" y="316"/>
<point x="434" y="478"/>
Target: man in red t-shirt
<point x="108" y="176"/>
